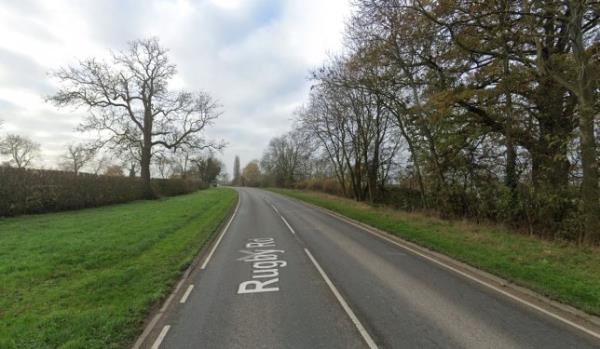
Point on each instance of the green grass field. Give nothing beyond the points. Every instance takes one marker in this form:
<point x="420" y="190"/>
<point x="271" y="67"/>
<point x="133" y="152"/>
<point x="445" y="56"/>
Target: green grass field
<point x="559" y="270"/>
<point x="87" y="279"/>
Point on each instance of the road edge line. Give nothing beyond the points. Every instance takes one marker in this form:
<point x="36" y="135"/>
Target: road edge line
<point x="161" y="337"/>
<point x="186" y="294"/>
<point x="151" y="325"/>
<point x="496" y="288"/>
<point x="361" y="329"/>
<point x="214" y="247"/>
<point x="476" y="275"/>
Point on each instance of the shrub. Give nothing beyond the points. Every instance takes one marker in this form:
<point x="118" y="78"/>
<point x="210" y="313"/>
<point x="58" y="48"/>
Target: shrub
<point x="327" y="185"/>
<point x="24" y="191"/>
<point x="402" y="198"/>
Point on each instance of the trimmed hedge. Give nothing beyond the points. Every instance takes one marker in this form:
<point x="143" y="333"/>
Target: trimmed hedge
<point x="38" y="191"/>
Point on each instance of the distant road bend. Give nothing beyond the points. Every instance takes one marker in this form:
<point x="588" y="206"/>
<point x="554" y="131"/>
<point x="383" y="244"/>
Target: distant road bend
<point x="287" y="275"/>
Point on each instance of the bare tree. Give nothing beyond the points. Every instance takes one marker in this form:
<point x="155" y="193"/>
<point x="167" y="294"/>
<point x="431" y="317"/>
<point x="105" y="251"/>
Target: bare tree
<point x="354" y="128"/>
<point x="286" y="158"/>
<point x="132" y="169"/>
<point x="180" y="162"/>
<point x="21" y="150"/>
<point x="76" y="157"/>
<point x="164" y="164"/>
<point x="99" y="164"/>
<point x="130" y="103"/>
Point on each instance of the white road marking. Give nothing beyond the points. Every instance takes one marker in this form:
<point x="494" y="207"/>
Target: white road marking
<point x="288" y="225"/>
<point x="265" y="264"/>
<point x="160" y="337"/>
<point x="221" y="236"/>
<point x="473" y="278"/>
<point x="283" y="219"/>
<point x="168" y="302"/>
<point x="361" y="329"/>
<point x="147" y="331"/>
<point x="186" y="294"/>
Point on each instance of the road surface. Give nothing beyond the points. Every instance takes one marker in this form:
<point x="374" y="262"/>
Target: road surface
<point x="287" y="275"/>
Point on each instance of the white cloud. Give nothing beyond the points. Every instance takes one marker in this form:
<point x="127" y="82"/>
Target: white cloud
<point x="227" y="4"/>
<point x="252" y="55"/>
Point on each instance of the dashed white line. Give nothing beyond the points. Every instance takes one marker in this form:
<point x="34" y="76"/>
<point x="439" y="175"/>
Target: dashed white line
<point x="283" y="219"/>
<point x="160" y="337"/>
<point x="171" y="296"/>
<point x="203" y="266"/>
<point x="361" y="329"/>
<point x="186" y="294"/>
<point x="288" y="225"/>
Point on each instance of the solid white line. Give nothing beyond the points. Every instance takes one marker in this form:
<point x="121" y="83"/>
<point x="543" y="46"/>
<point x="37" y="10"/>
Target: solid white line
<point x="473" y="278"/>
<point x="221" y="236"/>
<point x="363" y="332"/>
<point x="186" y="294"/>
<point x="288" y="225"/>
<point x="160" y="337"/>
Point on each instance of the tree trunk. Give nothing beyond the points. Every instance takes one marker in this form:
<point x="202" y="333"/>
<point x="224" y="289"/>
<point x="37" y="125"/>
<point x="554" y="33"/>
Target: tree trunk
<point x="585" y="96"/>
<point x="511" y="164"/>
<point x="511" y="155"/>
<point x="549" y="153"/>
<point x="145" y="172"/>
<point x="589" y="163"/>
<point x="413" y="152"/>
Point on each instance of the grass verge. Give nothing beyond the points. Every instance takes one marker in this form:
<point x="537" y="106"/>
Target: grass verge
<point x="559" y="270"/>
<point x="88" y="278"/>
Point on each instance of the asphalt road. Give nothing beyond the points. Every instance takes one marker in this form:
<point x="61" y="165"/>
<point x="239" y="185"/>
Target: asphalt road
<point x="323" y="283"/>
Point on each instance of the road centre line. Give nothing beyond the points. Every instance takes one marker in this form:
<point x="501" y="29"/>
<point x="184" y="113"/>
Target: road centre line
<point x="283" y="219"/>
<point x="203" y="266"/>
<point x="361" y="329"/>
<point x="186" y="294"/>
<point x="160" y="337"/>
<point x="288" y="225"/>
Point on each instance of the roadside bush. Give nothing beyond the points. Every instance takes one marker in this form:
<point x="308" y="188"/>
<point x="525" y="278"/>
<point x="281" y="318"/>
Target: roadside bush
<point x="327" y="185"/>
<point x="176" y="186"/>
<point x="403" y="198"/>
<point x="37" y="191"/>
<point x="527" y="209"/>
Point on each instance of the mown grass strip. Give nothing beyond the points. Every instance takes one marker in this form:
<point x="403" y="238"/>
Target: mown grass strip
<point x="87" y="279"/>
<point x="559" y="270"/>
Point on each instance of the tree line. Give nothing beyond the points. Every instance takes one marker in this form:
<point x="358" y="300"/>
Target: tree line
<point x="480" y="109"/>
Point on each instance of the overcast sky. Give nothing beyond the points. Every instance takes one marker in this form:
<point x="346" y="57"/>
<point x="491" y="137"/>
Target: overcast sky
<point x="252" y="55"/>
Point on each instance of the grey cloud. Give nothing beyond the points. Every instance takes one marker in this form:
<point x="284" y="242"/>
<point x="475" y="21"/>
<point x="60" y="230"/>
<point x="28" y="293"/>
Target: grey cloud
<point x="241" y="56"/>
<point x="19" y="70"/>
